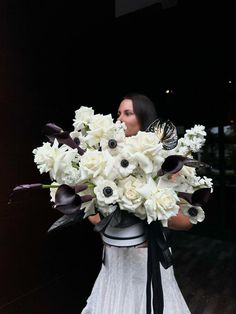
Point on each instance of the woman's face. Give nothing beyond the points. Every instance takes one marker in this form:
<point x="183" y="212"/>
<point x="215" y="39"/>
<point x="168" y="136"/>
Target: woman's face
<point x="126" y="114"/>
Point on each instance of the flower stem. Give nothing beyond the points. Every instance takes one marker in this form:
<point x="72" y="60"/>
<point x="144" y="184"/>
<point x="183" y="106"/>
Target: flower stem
<point x="188" y="153"/>
<point x="49" y="186"/>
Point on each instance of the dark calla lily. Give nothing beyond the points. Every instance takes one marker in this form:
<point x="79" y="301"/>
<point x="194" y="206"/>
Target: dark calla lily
<point x="52" y="131"/>
<point x="195" y="163"/>
<point x="198" y="198"/>
<point x="174" y="163"/>
<point x="67" y="221"/>
<point x="165" y="131"/>
<point x="25" y="187"/>
<point x="67" y="201"/>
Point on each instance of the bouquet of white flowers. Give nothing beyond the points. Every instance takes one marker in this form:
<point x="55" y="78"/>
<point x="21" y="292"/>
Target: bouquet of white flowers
<point x="135" y="183"/>
<point x="95" y="168"/>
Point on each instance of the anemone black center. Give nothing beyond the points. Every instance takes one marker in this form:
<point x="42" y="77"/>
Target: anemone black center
<point x="124" y="163"/>
<point x="112" y="143"/>
<point x="193" y="211"/>
<point x="76" y="140"/>
<point x="107" y="191"/>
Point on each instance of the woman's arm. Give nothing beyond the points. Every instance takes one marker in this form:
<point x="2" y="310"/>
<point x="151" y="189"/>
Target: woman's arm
<point x="94" y="219"/>
<point x="179" y="222"/>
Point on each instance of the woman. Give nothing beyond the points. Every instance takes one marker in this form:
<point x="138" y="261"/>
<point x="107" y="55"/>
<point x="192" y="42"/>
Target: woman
<point x="120" y="287"/>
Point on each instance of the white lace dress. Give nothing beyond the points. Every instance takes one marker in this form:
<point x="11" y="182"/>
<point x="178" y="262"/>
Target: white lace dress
<point x="120" y="287"/>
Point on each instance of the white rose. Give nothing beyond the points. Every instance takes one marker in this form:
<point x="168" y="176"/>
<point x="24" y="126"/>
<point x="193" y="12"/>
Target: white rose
<point x="144" y="142"/>
<point x="166" y="198"/>
<point x="82" y="117"/>
<point x="98" y="127"/>
<point x="131" y="193"/>
<point x="92" y="164"/>
<point x="131" y="199"/>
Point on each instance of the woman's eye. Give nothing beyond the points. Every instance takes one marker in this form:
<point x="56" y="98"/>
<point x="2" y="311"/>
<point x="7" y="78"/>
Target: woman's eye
<point x="128" y="113"/>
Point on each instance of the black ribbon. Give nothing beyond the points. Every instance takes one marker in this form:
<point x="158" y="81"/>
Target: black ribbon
<point x="158" y="252"/>
<point x="118" y="218"/>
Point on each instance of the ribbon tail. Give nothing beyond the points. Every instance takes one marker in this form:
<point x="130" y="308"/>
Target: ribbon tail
<point x="154" y="300"/>
<point x="158" y="299"/>
<point x="149" y="280"/>
<point x="160" y="242"/>
<point x="158" y="252"/>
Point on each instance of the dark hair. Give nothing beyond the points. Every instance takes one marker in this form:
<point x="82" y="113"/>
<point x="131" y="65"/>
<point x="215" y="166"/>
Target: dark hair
<point x="144" y="109"/>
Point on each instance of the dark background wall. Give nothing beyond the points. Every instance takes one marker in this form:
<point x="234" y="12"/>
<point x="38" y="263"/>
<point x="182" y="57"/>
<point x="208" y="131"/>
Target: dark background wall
<point x="58" y="55"/>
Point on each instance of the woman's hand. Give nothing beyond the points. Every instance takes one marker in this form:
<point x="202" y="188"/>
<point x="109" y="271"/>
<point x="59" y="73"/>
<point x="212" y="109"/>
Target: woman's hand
<point x="142" y="245"/>
<point x="173" y="177"/>
<point x="179" y="222"/>
<point x="94" y="219"/>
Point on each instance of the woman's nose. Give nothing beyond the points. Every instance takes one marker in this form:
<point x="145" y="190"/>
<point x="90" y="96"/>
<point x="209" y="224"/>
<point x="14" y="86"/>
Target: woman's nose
<point x="120" y="118"/>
